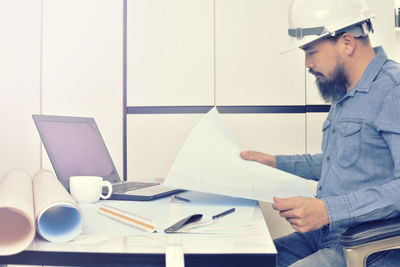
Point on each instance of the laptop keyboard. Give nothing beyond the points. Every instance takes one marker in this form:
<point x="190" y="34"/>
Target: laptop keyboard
<point x="129" y="186"/>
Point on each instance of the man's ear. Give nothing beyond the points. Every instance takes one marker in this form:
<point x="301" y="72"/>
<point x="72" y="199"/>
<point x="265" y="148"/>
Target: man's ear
<point x="349" y="43"/>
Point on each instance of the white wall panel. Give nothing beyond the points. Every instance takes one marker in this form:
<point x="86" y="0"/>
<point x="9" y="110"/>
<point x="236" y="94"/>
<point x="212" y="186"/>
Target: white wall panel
<point x="384" y="35"/>
<point x="269" y="133"/>
<point x="397" y="35"/>
<point x="383" y="25"/>
<point x="397" y="47"/>
<point x="82" y="64"/>
<point x="154" y="142"/>
<point x="19" y="84"/>
<point x="249" y="67"/>
<point x="170" y="52"/>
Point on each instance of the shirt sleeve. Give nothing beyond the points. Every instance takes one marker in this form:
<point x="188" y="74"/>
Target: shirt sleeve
<point x="307" y="166"/>
<point x="379" y="202"/>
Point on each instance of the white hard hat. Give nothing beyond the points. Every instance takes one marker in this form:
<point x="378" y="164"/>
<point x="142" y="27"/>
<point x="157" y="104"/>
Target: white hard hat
<point x="310" y="20"/>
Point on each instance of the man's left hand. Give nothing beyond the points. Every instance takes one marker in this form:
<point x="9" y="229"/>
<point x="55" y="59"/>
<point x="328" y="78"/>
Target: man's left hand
<point x="303" y="213"/>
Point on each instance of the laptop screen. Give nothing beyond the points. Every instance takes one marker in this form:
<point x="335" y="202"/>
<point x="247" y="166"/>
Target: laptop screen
<point x="75" y="147"/>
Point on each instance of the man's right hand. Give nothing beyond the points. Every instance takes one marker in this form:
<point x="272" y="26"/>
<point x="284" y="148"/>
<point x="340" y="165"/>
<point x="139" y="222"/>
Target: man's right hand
<point x="263" y="158"/>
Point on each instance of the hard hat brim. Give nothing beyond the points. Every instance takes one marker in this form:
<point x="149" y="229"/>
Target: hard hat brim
<point x="298" y="43"/>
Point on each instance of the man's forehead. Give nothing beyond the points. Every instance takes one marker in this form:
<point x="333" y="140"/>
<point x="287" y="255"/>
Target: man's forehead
<point x="311" y="45"/>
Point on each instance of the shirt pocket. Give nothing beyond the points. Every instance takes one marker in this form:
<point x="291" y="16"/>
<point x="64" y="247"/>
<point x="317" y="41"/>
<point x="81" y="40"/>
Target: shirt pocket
<point x="349" y="143"/>
<point x="325" y="130"/>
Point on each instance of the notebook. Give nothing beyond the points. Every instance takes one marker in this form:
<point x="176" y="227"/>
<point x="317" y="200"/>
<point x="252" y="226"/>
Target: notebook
<point x="75" y="147"/>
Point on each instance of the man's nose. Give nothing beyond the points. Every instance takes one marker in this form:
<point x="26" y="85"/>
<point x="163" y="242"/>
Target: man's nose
<point x="308" y="62"/>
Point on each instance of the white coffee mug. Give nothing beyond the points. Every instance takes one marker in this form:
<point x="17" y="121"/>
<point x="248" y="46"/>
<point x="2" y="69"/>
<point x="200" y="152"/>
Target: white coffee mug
<point x="88" y="189"/>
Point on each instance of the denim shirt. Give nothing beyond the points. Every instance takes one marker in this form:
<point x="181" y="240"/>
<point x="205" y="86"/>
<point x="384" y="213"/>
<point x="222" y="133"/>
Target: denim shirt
<point x="358" y="170"/>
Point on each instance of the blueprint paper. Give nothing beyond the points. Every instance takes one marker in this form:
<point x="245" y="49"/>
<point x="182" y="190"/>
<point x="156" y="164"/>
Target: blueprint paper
<point x="58" y="217"/>
<point x="212" y="204"/>
<point x="210" y="161"/>
<point x="166" y="213"/>
<point x="17" y="223"/>
<point x="96" y="224"/>
<point x="24" y="201"/>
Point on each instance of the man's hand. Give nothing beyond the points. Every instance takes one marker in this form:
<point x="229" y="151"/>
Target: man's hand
<point x="303" y="213"/>
<point x="266" y="159"/>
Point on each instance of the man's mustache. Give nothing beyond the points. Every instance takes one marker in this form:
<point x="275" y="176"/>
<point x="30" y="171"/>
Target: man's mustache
<point x="315" y="72"/>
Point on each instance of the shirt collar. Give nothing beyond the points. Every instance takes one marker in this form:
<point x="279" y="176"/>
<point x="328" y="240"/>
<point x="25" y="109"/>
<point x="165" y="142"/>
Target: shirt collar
<point x="370" y="72"/>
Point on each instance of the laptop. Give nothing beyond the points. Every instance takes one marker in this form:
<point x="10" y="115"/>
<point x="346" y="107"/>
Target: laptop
<point x="75" y="147"/>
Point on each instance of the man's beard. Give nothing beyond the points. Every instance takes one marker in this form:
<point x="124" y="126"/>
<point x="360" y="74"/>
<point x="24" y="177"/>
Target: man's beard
<point x="332" y="90"/>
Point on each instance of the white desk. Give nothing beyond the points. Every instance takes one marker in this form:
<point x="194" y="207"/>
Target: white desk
<point x="248" y="246"/>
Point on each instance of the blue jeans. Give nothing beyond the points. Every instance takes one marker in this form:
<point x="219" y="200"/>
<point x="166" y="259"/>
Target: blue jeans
<point x="311" y="250"/>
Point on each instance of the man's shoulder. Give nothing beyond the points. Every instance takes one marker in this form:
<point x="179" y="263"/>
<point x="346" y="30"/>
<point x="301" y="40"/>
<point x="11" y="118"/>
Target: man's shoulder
<point x="390" y="72"/>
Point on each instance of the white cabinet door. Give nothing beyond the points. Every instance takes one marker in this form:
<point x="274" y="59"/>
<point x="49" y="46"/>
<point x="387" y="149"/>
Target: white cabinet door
<point x="154" y="142"/>
<point x="19" y="84"/>
<point x="83" y="63"/>
<point x="170" y="59"/>
<point x="249" y="67"/>
<point x="268" y="133"/>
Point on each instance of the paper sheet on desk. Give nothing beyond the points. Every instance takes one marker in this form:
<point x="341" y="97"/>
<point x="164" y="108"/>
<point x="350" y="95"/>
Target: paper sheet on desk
<point x="159" y="211"/>
<point x="210" y="162"/>
<point x="211" y="204"/>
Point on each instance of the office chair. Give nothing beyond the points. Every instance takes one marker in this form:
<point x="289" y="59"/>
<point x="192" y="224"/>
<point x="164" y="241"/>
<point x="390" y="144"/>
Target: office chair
<point x="360" y="241"/>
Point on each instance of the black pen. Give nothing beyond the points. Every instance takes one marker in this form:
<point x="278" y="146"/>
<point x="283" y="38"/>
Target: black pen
<point x="181" y="198"/>
<point x="222" y="214"/>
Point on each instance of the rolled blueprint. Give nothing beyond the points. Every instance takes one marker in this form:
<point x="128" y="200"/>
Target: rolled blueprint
<point x="58" y="217"/>
<point x="17" y="223"/>
<point x="43" y="199"/>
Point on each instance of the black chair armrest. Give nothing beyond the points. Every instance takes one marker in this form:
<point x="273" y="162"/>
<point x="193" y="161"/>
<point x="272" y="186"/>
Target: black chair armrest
<point x="370" y="231"/>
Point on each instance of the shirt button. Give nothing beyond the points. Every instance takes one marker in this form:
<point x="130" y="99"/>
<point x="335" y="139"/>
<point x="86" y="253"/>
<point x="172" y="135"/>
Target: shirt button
<point x="319" y="188"/>
<point x="328" y="158"/>
<point x="333" y="130"/>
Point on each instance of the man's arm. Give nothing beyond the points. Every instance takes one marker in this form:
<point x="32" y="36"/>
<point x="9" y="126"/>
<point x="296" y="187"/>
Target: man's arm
<point x="304" y="214"/>
<point x="259" y="157"/>
<point x="307" y="166"/>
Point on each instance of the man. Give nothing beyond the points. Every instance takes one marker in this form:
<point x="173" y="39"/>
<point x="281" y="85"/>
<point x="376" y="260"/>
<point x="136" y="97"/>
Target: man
<point x="358" y="170"/>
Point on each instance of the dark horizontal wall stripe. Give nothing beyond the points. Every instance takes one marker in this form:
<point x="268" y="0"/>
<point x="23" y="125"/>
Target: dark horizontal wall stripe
<point x="227" y="109"/>
<point x="169" y="109"/>
<point x="261" y="109"/>
<point x="318" y="108"/>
